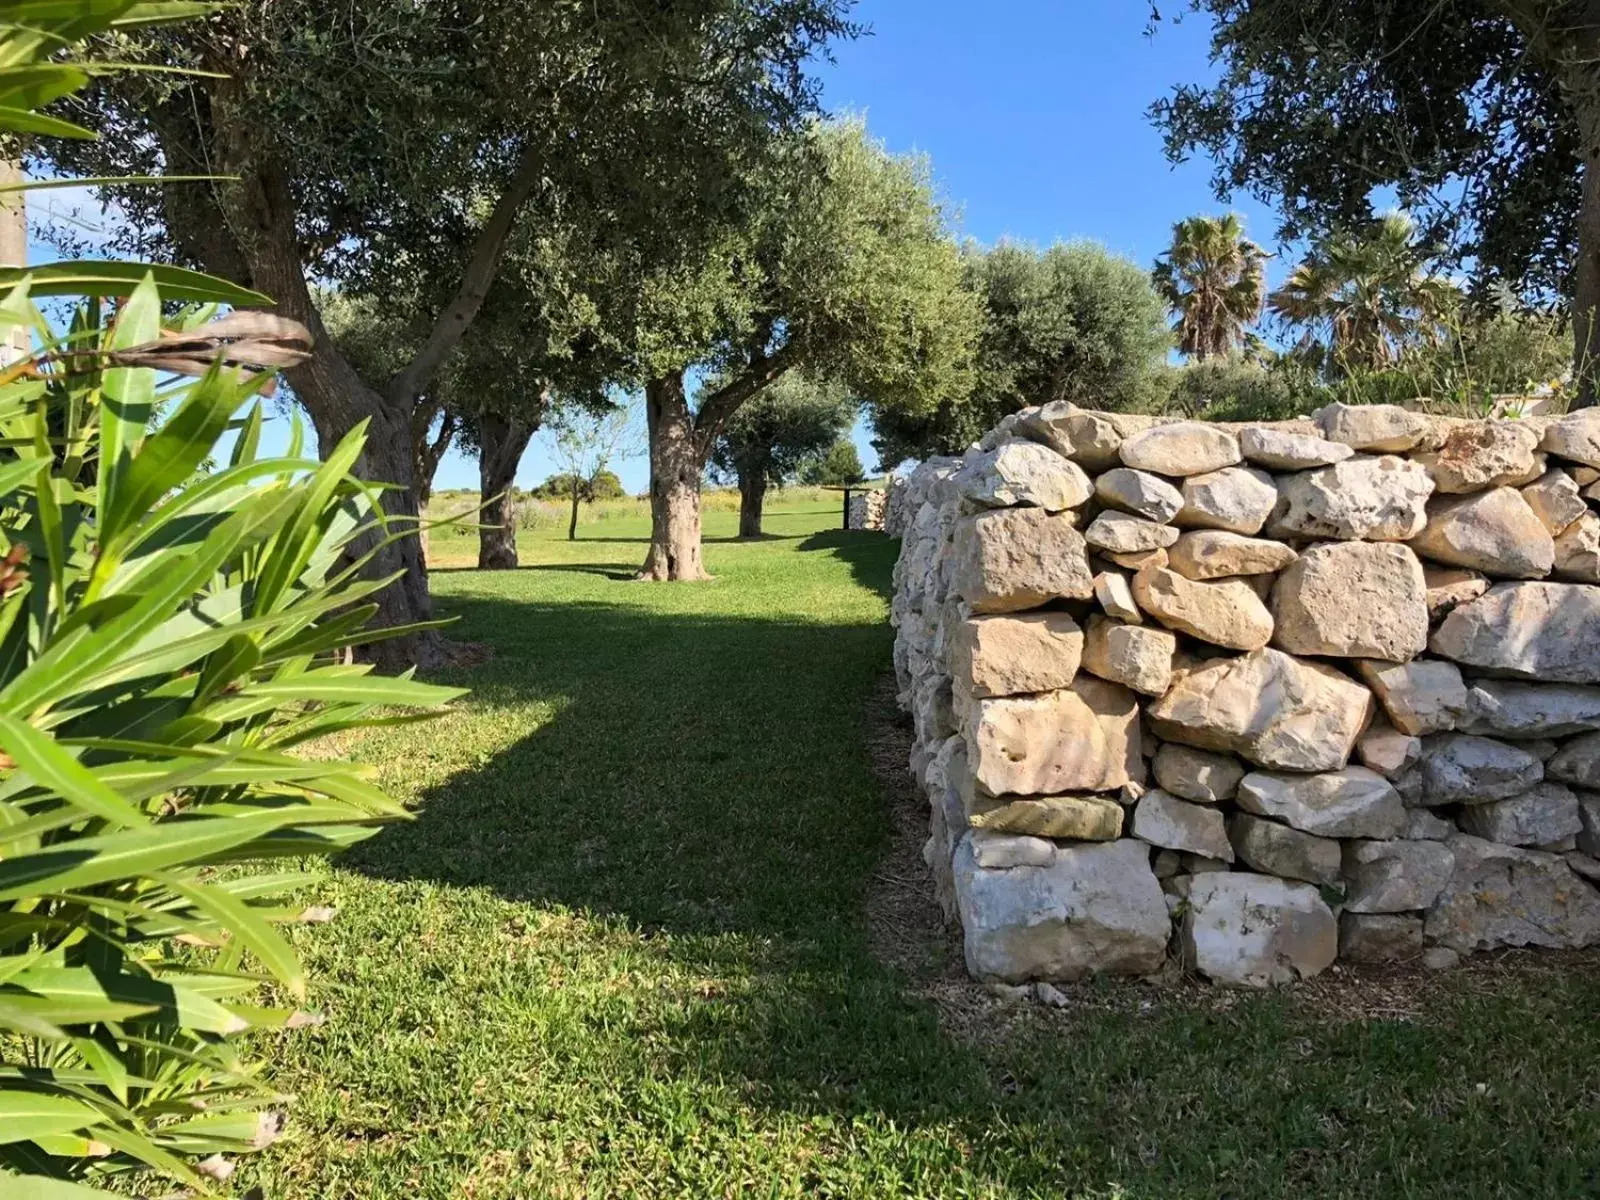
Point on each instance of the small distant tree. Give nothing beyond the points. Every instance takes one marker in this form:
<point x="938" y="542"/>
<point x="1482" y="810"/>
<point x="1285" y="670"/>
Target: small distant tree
<point x="763" y="444"/>
<point x="584" y="440"/>
<point x="1214" y="280"/>
<point x="838" y="466"/>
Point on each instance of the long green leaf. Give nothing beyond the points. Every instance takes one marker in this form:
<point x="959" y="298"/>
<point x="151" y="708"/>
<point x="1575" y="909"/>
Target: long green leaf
<point x="246" y="924"/>
<point x="52" y="767"/>
<point x="109" y="278"/>
<point x="128" y="397"/>
<point x="27" y="1115"/>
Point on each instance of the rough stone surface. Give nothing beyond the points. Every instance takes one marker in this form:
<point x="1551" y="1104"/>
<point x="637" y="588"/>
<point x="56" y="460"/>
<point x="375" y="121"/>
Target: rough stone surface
<point x="1024" y="473"/>
<point x="1006" y="655"/>
<point x="1352" y="803"/>
<point x="1353" y="600"/>
<point x="1462" y="768"/>
<point x="1128" y="534"/>
<point x="1162" y="819"/>
<point x="1555" y="500"/>
<point x="1395" y="876"/>
<point x="1079" y="739"/>
<point x="1423" y="696"/>
<point x="1375" y="499"/>
<point x="1575" y="437"/>
<point x="1378" y="427"/>
<point x="1379" y="937"/>
<point x="1387" y="751"/>
<point x="1578" y="550"/>
<point x="1282" y="450"/>
<point x="1275" y="849"/>
<point x="1136" y="656"/>
<point x="1181" y="448"/>
<point x="1583" y="866"/>
<point x="1548" y="631"/>
<point x="1217" y="554"/>
<point x="1250" y="930"/>
<point x="1420" y="823"/>
<point x="1001" y="851"/>
<point x="1589" y="813"/>
<point x="1095" y="909"/>
<point x="1197" y="775"/>
<point x="1494" y="532"/>
<point x="1485" y="454"/>
<point x="1018" y="558"/>
<point x="1577" y="762"/>
<point x="1545" y="813"/>
<point x="1140" y="493"/>
<point x="1269" y="707"/>
<point x="1504" y="896"/>
<point x="1235" y="499"/>
<point x="1137" y="560"/>
<point x="1082" y="818"/>
<point x="1451" y="587"/>
<point x="1225" y="613"/>
<point x="1440" y="958"/>
<point x="1116" y="597"/>
<point x="1087" y="438"/>
<point x="1513" y="709"/>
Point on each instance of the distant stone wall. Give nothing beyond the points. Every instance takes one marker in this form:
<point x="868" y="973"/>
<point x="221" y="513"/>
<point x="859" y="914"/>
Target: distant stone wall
<point x="1256" y="696"/>
<point x="866" y="510"/>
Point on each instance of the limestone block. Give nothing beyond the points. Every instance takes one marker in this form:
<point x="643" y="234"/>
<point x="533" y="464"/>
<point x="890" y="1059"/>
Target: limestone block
<point x="1353" y="600"/>
<point x="1001" y="851"/>
<point x="1008" y="655"/>
<point x="1554" y="499"/>
<point x="1136" y="656"/>
<point x="1197" y="775"/>
<point x="1422" y="696"/>
<point x="1386" y="750"/>
<point x="1575" y="436"/>
<point x="1589" y="814"/>
<point x="1548" y="631"/>
<point x="1577" y="762"/>
<point x="1181" y="448"/>
<point x="1126" y="534"/>
<point x="1278" y="711"/>
<point x="1463" y="768"/>
<point x="1545" y="813"/>
<point x="1137" y="560"/>
<point x="1226" y="612"/>
<point x="1512" y="709"/>
<point x="1023" y="473"/>
<point x="1162" y="819"/>
<point x="1096" y="909"/>
<point x="1385" y="428"/>
<point x="1116" y="597"/>
<point x="1451" y="587"/>
<point x="1395" y="875"/>
<point x="1081" y="818"/>
<point x="1250" y="930"/>
<point x="1578" y="550"/>
<point x="1376" y="499"/>
<point x="1494" y="532"/>
<point x="1216" y="554"/>
<point x="1379" y="937"/>
<point x="1282" y="450"/>
<point x="1275" y="849"/>
<point x="1079" y="739"/>
<point x="1139" y="493"/>
<point x="1089" y="439"/>
<point x="1504" y="896"/>
<point x="1354" y="802"/>
<point x="1485" y="454"/>
<point x="1234" y="499"/>
<point x="1016" y="558"/>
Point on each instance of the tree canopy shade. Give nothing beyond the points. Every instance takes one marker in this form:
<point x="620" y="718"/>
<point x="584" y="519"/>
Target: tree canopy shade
<point x="365" y="130"/>
<point x="1479" y="113"/>
<point x="1072" y="322"/>
<point x="844" y="269"/>
<point x="1214" y="279"/>
<point x="764" y="443"/>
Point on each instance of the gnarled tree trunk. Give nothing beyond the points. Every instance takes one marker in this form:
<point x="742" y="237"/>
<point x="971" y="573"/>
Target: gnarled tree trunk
<point x="503" y="441"/>
<point x="677" y="460"/>
<point x="752" y="495"/>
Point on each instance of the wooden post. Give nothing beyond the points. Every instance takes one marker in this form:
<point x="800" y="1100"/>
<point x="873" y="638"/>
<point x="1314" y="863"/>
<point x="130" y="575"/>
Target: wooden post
<point x="846" y="522"/>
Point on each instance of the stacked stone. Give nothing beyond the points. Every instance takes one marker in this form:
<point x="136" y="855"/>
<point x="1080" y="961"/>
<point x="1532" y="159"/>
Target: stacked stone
<point x="1256" y="695"/>
<point x="866" y="510"/>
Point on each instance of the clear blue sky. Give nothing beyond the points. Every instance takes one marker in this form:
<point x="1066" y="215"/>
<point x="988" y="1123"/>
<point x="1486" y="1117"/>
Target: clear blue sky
<point x="1033" y="114"/>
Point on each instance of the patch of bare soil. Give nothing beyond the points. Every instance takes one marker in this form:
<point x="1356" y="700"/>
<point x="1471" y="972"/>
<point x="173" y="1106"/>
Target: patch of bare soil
<point x="907" y="931"/>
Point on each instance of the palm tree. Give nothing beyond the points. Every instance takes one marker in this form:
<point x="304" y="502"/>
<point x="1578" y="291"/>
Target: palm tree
<point x="1367" y="294"/>
<point x="1214" y="281"/>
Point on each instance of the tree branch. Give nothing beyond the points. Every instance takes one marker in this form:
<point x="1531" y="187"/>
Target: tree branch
<point x="725" y="401"/>
<point x="453" y="323"/>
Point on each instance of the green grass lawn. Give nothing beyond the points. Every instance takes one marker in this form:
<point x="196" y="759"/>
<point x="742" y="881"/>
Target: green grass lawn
<point x="624" y="951"/>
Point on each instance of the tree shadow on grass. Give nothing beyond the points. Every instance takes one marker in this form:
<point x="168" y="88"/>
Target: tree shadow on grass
<point x="703" y="780"/>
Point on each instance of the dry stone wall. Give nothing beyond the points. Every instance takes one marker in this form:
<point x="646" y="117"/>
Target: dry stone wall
<point x="1256" y="696"/>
